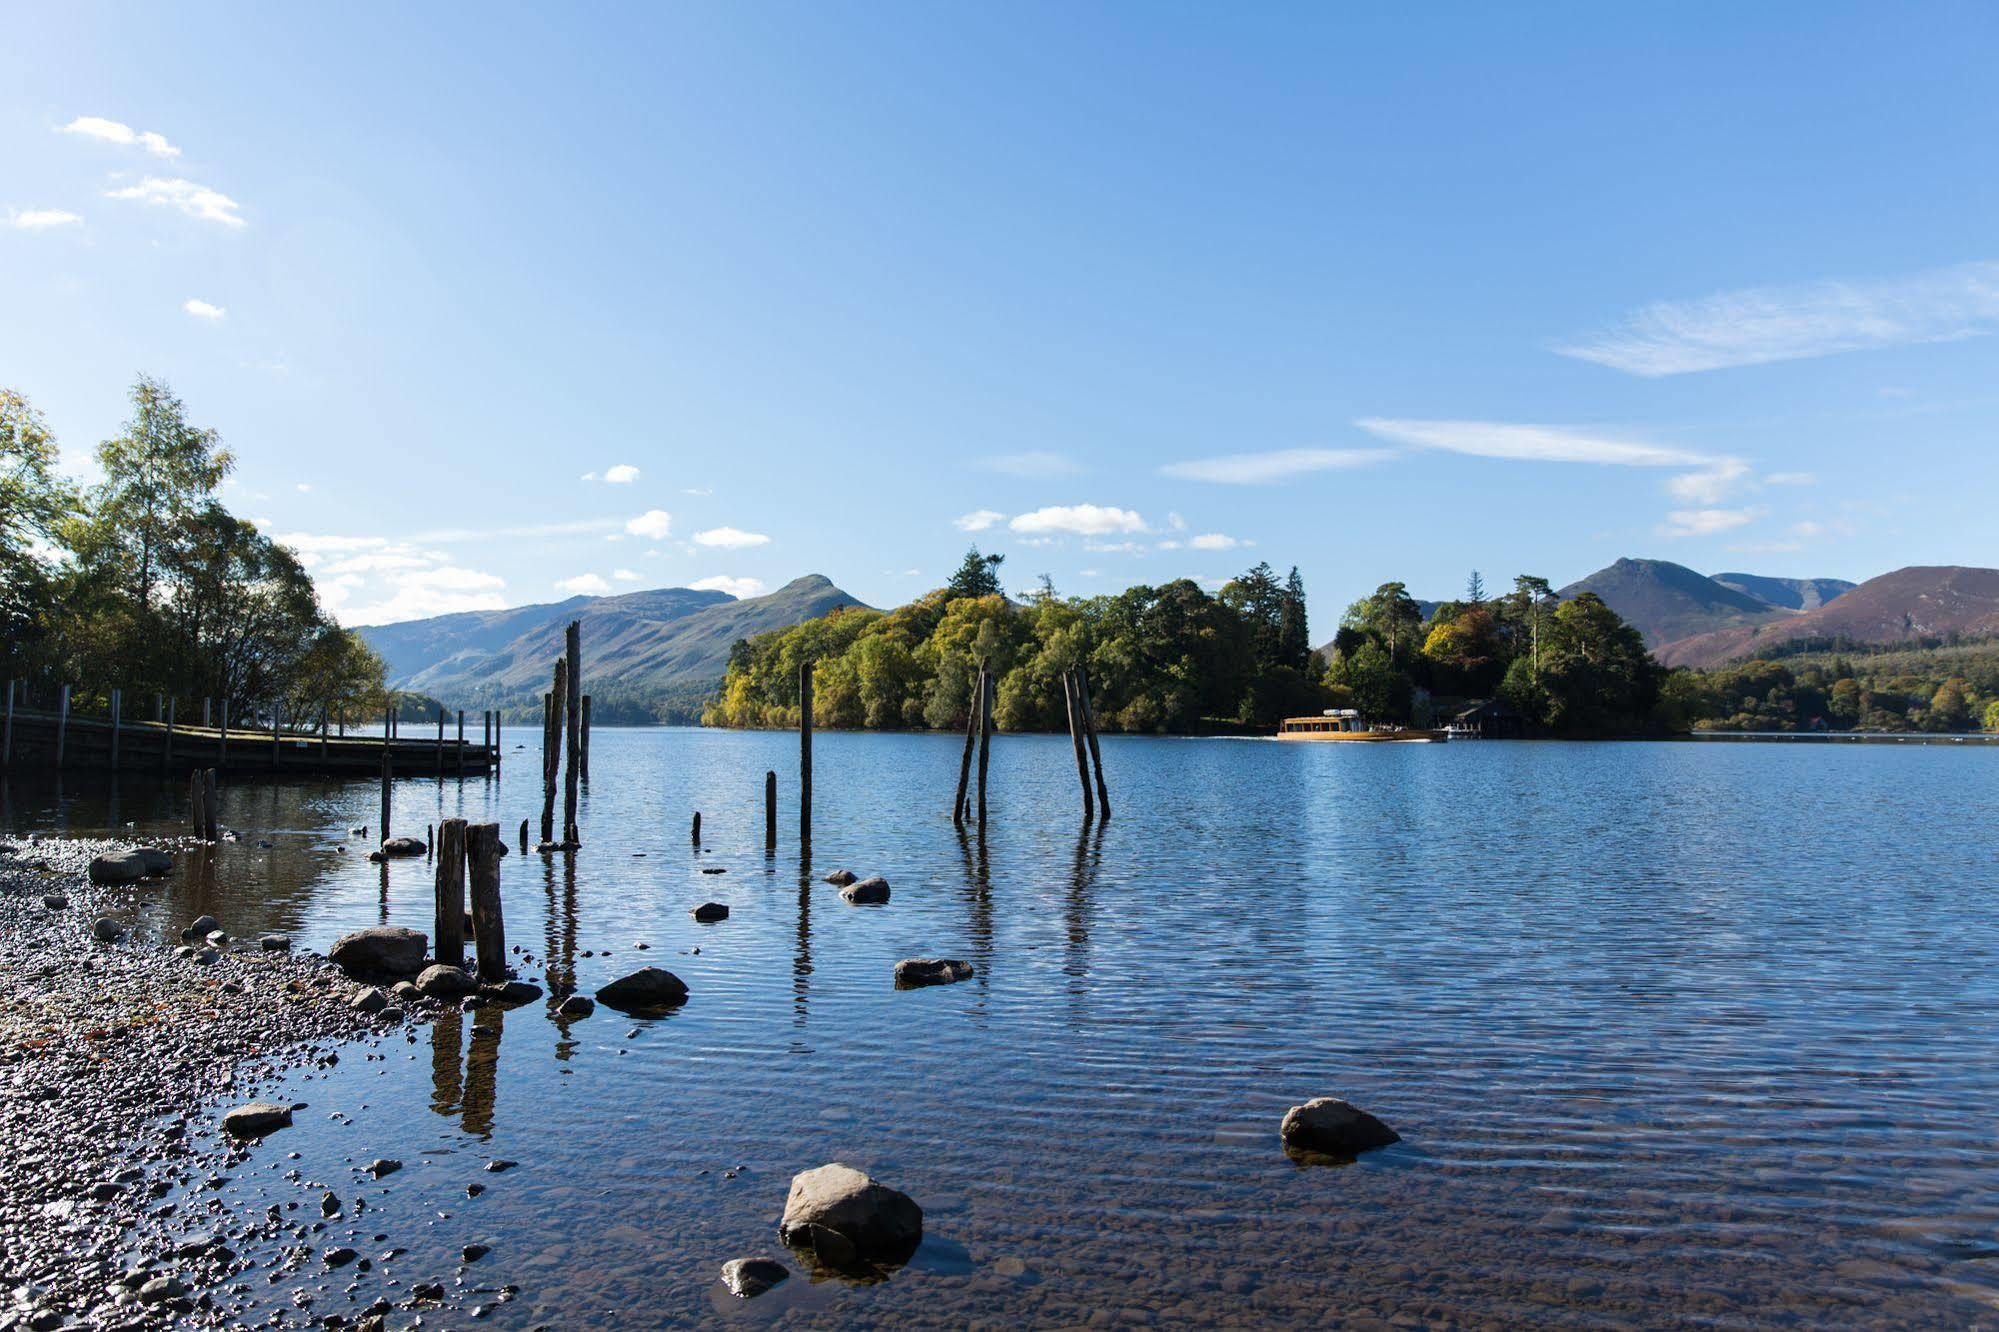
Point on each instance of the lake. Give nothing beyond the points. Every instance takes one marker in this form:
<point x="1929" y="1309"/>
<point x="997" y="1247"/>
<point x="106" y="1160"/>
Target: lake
<point x="1673" y="1033"/>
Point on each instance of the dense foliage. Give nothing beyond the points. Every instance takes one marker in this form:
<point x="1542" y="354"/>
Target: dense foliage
<point x="147" y="583"/>
<point x="1169" y="658"/>
<point x="1939" y="689"/>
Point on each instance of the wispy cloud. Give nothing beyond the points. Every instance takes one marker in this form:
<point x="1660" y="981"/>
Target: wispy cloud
<point x="735" y="587"/>
<point x="1214" y="541"/>
<point x="583" y="585"/>
<point x="1262" y="469"/>
<point x="1033" y="464"/>
<point x="41" y="219"/>
<point x="624" y="576"/>
<point x="1710" y="485"/>
<point x="201" y="309"/>
<point x="653" y="524"/>
<point x="196" y="201"/>
<point x="1706" y="522"/>
<point x="1531" y="443"/>
<point x="730" y="538"/>
<point x="618" y="474"/>
<point x="1078" y="520"/>
<point x="1791" y="479"/>
<point x="978" y="520"/>
<point x="1756" y="325"/>
<point x="112" y="131"/>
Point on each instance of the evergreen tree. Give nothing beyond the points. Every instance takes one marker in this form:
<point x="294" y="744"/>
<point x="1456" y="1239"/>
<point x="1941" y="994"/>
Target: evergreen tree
<point x="977" y="576"/>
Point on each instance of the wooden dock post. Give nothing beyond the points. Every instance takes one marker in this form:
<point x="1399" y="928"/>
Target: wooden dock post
<point x="770" y="811"/>
<point x="805" y="753"/>
<point x="987" y="697"/>
<point x="429" y="841"/>
<point x="697" y="827"/>
<point x="1090" y="735"/>
<point x="971" y="736"/>
<point x="211" y="807"/>
<point x="117" y="722"/>
<point x="222" y="737"/>
<point x="207" y="704"/>
<point x="496" y="740"/>
<point x="461" y="742"/>
<point x="573" y="646"/>
<point x="450" y="931"/>
<point x="1069" y="692"/>
<point x="325" y="732"/>
<point x="551" y="755"/>
<point x="440" y="740"/>
<point x="489" y="931"/>
<point x="387" y="771"/>
<point x="583" y="756"/>
<point x="62" y="725"/>
<point x="524" y="836"/>
<point x="276" y="748"/>
<point x="167" y="750"/>
<point x="7" y="745"/>
<point x="197" y="819"/>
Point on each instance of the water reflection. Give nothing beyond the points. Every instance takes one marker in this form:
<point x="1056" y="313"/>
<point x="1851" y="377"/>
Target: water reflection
<point x="801" y="958"/>
<point x="469" y="1090"/>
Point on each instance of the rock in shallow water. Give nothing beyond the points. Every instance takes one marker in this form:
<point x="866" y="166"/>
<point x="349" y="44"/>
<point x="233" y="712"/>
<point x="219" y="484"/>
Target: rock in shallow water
<point x="843" y="1217"/>
<point x="381" y="950"/>
<point x="256" y="1119"/>
<point x="442" y="982"/>
<point x="709" y="912"/>
<point x="868" y="892"/>
<point x="116" y="867"/>
<point x="918" y="971"/>
<point x="750" y="1277"/>
<point x="840" y="878"/>
<point x="648" y="987"/>
<point x="578" y="1006"/>
<point x="1332" y="1127"/>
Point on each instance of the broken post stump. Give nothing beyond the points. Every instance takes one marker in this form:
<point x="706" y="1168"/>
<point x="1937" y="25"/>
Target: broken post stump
<point x="482" y="854"/>
<point x="449" y="932"/>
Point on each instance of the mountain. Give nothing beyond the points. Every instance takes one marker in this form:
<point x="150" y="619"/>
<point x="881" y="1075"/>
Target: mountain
<point x="1906" y="606"/>
<point x="1667" y="601"/>
<point x="1798" y="594"/>
<point x="639" y="647"/>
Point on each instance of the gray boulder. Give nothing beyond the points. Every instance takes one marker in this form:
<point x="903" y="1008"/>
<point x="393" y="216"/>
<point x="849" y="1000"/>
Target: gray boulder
<point x="202" y="927"/>
<point x="868" y="892"/>
<point x="256" y="1119"/>
<point x="577" y="1006"/>
<point x="399" y="847"/>
<point x="747" y="1278"/>
<point x="370" y="1000"/>
<point x="913" y="972"/>
<point x="1329" y="1126"/>
<point x="844" y="1218"/>
<point x="118" y="867"/>
<point x="513" y="993"/>
<point x="709" y="912"/>
<point x="840" y="878"/>
<point x="648" y="987"/>
<point x="381" y="950"/>
<point x="442" y="982"/>
<point x="157" y="862"/>
<point x="275" y="943"/>
<point x="107" y="930"/>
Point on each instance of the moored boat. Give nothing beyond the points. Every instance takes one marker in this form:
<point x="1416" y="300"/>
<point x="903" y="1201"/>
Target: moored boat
<point x="1348" y="724"/>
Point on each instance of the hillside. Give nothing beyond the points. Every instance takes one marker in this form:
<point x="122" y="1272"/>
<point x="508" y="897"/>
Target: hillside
<point x="1667" y="601"/>
<point x="665" y="643"/>
<point x="1798" y="594"/>
<point x="1907" y="606"/>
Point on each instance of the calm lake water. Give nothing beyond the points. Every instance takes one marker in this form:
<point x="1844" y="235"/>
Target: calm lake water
<point x="1673" y="1033"/>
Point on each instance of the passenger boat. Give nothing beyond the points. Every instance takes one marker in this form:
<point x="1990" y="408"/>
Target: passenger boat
<point x="1348" y="724"/>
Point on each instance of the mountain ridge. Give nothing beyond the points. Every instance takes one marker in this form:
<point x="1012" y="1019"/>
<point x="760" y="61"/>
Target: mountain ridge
<point x="1906" y="605"/>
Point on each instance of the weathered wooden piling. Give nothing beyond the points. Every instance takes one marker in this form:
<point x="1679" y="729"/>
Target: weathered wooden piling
<point x="496" y="741"/>
<point x="450" y="929"/>
<point x="429" y="841"/>
<point x="524" y="836"/>
<point x="1069" y="692"/>
<point x="482" y="855"/>
<point x="7" y="745"/>
<point x="62" y="724"/>
<point x="222" y="736"/>
<point x="440" y="740"/>
<point x="987" y="697"/>
<point x="211" y="808"/>
<point x="697" y="827"/>
<point x="207" y="712"/>
<point x="583" y="756"/>
<point x="388" y="772"/>
<point x="196" y="815"/>
<point x="573" y="646"/>
<point x="461" y="742"/>
<point x="1090" y="735"/>
<point x="167" y="749"/>
<point x="971" y="739"/>
<point x="770" y="811"/>
<point x="117" y="722"/>
<point x="805" y="753"/>
<point x="551" y="754"/>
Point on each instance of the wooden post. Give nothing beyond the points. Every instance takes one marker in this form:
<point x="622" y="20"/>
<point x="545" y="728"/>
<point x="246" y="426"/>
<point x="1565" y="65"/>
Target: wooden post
<point x="159" y="706"/>
<point x="697" y="827"/>
<point x="211" y="807"/>
<point x="222" y="736"/>
<point x="573" y="641"/>
<point x="207" y="704"/>
<point x="167" y="757"/>
<point x="496" y="740"/>
<point x="583" y="758"/>
<point x="1076" y="741"/>
<point x="440" y="739"/>
<point x="274" y="736"/>
<point x="1090" y="734"/>
<point x="196" y="818"/>
<point x="770" y="811"/>
<point x="986" y="699"/>
<point x="62" y="724"/>
<point x="450" y="931"/>
<point x="524" y="836"/>
<point x="805" y="753"/>
<point x="7" y="745"/>
<point x="482" y="854"/>
<point x="461" y="742"/>
<point x="971" y="735"/>
<point x="325" y="733"/>
<point x="387" y="770"/>
<point x="117" y="722"/>
<point x="551" y="756"/>
<point x="429" y="841"/>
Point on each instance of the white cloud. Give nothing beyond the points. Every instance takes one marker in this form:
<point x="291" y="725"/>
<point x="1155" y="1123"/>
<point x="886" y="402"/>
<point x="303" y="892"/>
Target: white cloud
<point x="1791" y="479"/>
<point x="383" y="561"/>
<point x="196" y="201"/>
<point x="201" y="309"/>
<point x="730" y="538"/>
<point x="1176" y="522"/>
<point x="653" y="524"/>
<point x="735" y="587"/>
<point x="698" y="490"/>
<point x="1078" y="520"/>
<point x="1262" y="469"/>
<point x="1031" y="465"/>
<point x="1213" y="541"/>
<point x="978" y="520"/>
<point x="1115" y="547"/>
<point x="618" y="474"/>
<point x="1170" y="544"/>
<point x="41" y="219"/>
<point x="303" y="487"/>
<point x="426" y="592"/>
<point x="1706" y="522"/>
<point x="1531" y="443"/>
<point x="624" y="576"/>
<point x="583" y="585"/>
<point x="1756" y="325"/>
<point x="111" y="131"/>
<point x="1711" y="485"/>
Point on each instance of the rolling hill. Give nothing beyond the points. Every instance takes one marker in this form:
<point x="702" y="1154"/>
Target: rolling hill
<point x="1667" y="601"/>
<point x="1922" y="602"/>
<point x="645" y="654"/>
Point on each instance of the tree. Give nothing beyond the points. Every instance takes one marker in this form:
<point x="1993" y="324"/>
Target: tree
<point x="1294" y="639"/>
<point x="977" y="576"/>
<point x="1950" y="710"/>
<point x="1533" y="596"/>
<point x="34" y="501"/>
<point x="1475" y="589"/>
<point x="156" y="475"/>
<point x="1464" y="652"/>
<point x="1390" y="615"/>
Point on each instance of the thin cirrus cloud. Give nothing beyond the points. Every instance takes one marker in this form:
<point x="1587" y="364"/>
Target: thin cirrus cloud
<point x="1214" y="541"/>
<point x="1090" y="520"/>
<point x="978" y="520"/>
<point x="1706" y="522"/>
<point x="41" y="219"/>
<point x="1035" y="464"/>
<point x="1757" y="325"/>
<point x="201" y="309"/>
<point x="112" y="131"/>
<point x="735" y="587"/>
<point x="1263" y="469"/>
<point x="197" y="201"/>
<point x="1708" y="478"/>
<point x="730" y="538"/>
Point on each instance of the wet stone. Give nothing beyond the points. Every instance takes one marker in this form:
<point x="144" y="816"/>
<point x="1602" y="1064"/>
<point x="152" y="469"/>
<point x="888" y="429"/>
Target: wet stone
<point x="1329" y="1126"/>
<point x="708" y="912"/>
<point x="747" y="1278"/>
<point x="912" y="973"/>
<point x="868" y="892"/>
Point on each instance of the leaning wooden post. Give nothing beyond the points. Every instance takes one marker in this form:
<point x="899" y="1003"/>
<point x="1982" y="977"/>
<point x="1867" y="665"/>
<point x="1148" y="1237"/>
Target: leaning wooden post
<point x="1076" y="741"/>
<point x="989" y="699"/>
<point x="971" y="735"/>
<point x="117" y="720"/>
<point x="211" y="807"/>
<point x="1090" y="734"/>
<point x="551" y="756"/>
<point x="805" y="753"/>
<point x="450" y="931"/>
<point x="197" y="820"/>
<point x="482" y="854"/>
<point x="770" y="811"/>
<point x="62" y="724"/>
<point x="573" y="646"/>
<point x="583" y="755"/>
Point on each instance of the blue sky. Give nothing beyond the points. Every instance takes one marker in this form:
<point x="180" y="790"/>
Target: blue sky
<point x="494" y="304"/>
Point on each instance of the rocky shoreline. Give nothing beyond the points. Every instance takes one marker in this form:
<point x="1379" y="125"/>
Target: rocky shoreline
<point x="120" y="1052"/>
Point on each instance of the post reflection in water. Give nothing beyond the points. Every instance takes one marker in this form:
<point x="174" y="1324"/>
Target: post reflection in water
<point x="559" y="949"/>
<point x="1076" y="912"/>
<point x="447" y="1081"/>
<point x="801" y="962"/>
<point x="978" y="901"/>
<point x="482" y="1070"/>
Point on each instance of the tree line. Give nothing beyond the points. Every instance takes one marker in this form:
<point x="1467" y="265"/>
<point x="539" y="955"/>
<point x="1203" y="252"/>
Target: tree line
<point x="145" y="582"/>
<point x="1940" y="689"/>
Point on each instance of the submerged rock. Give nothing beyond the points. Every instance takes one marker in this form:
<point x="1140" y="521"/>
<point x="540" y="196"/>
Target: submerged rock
<point x="381" y="950"/>
<point x="399" y="847"/>
<point x="256" y="1119"/>
<point x="709" y="912"/>
<point x="917" y="971"/>
<point x="577" y="1006"/>
<point x="648" y="987"/>
<point x="747" y="1278"/>
<point x="843" y="1218"/>
<point x="1332" y="1127"/>
<point x="868" y="892"/>
<point x="840" y="878"/>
